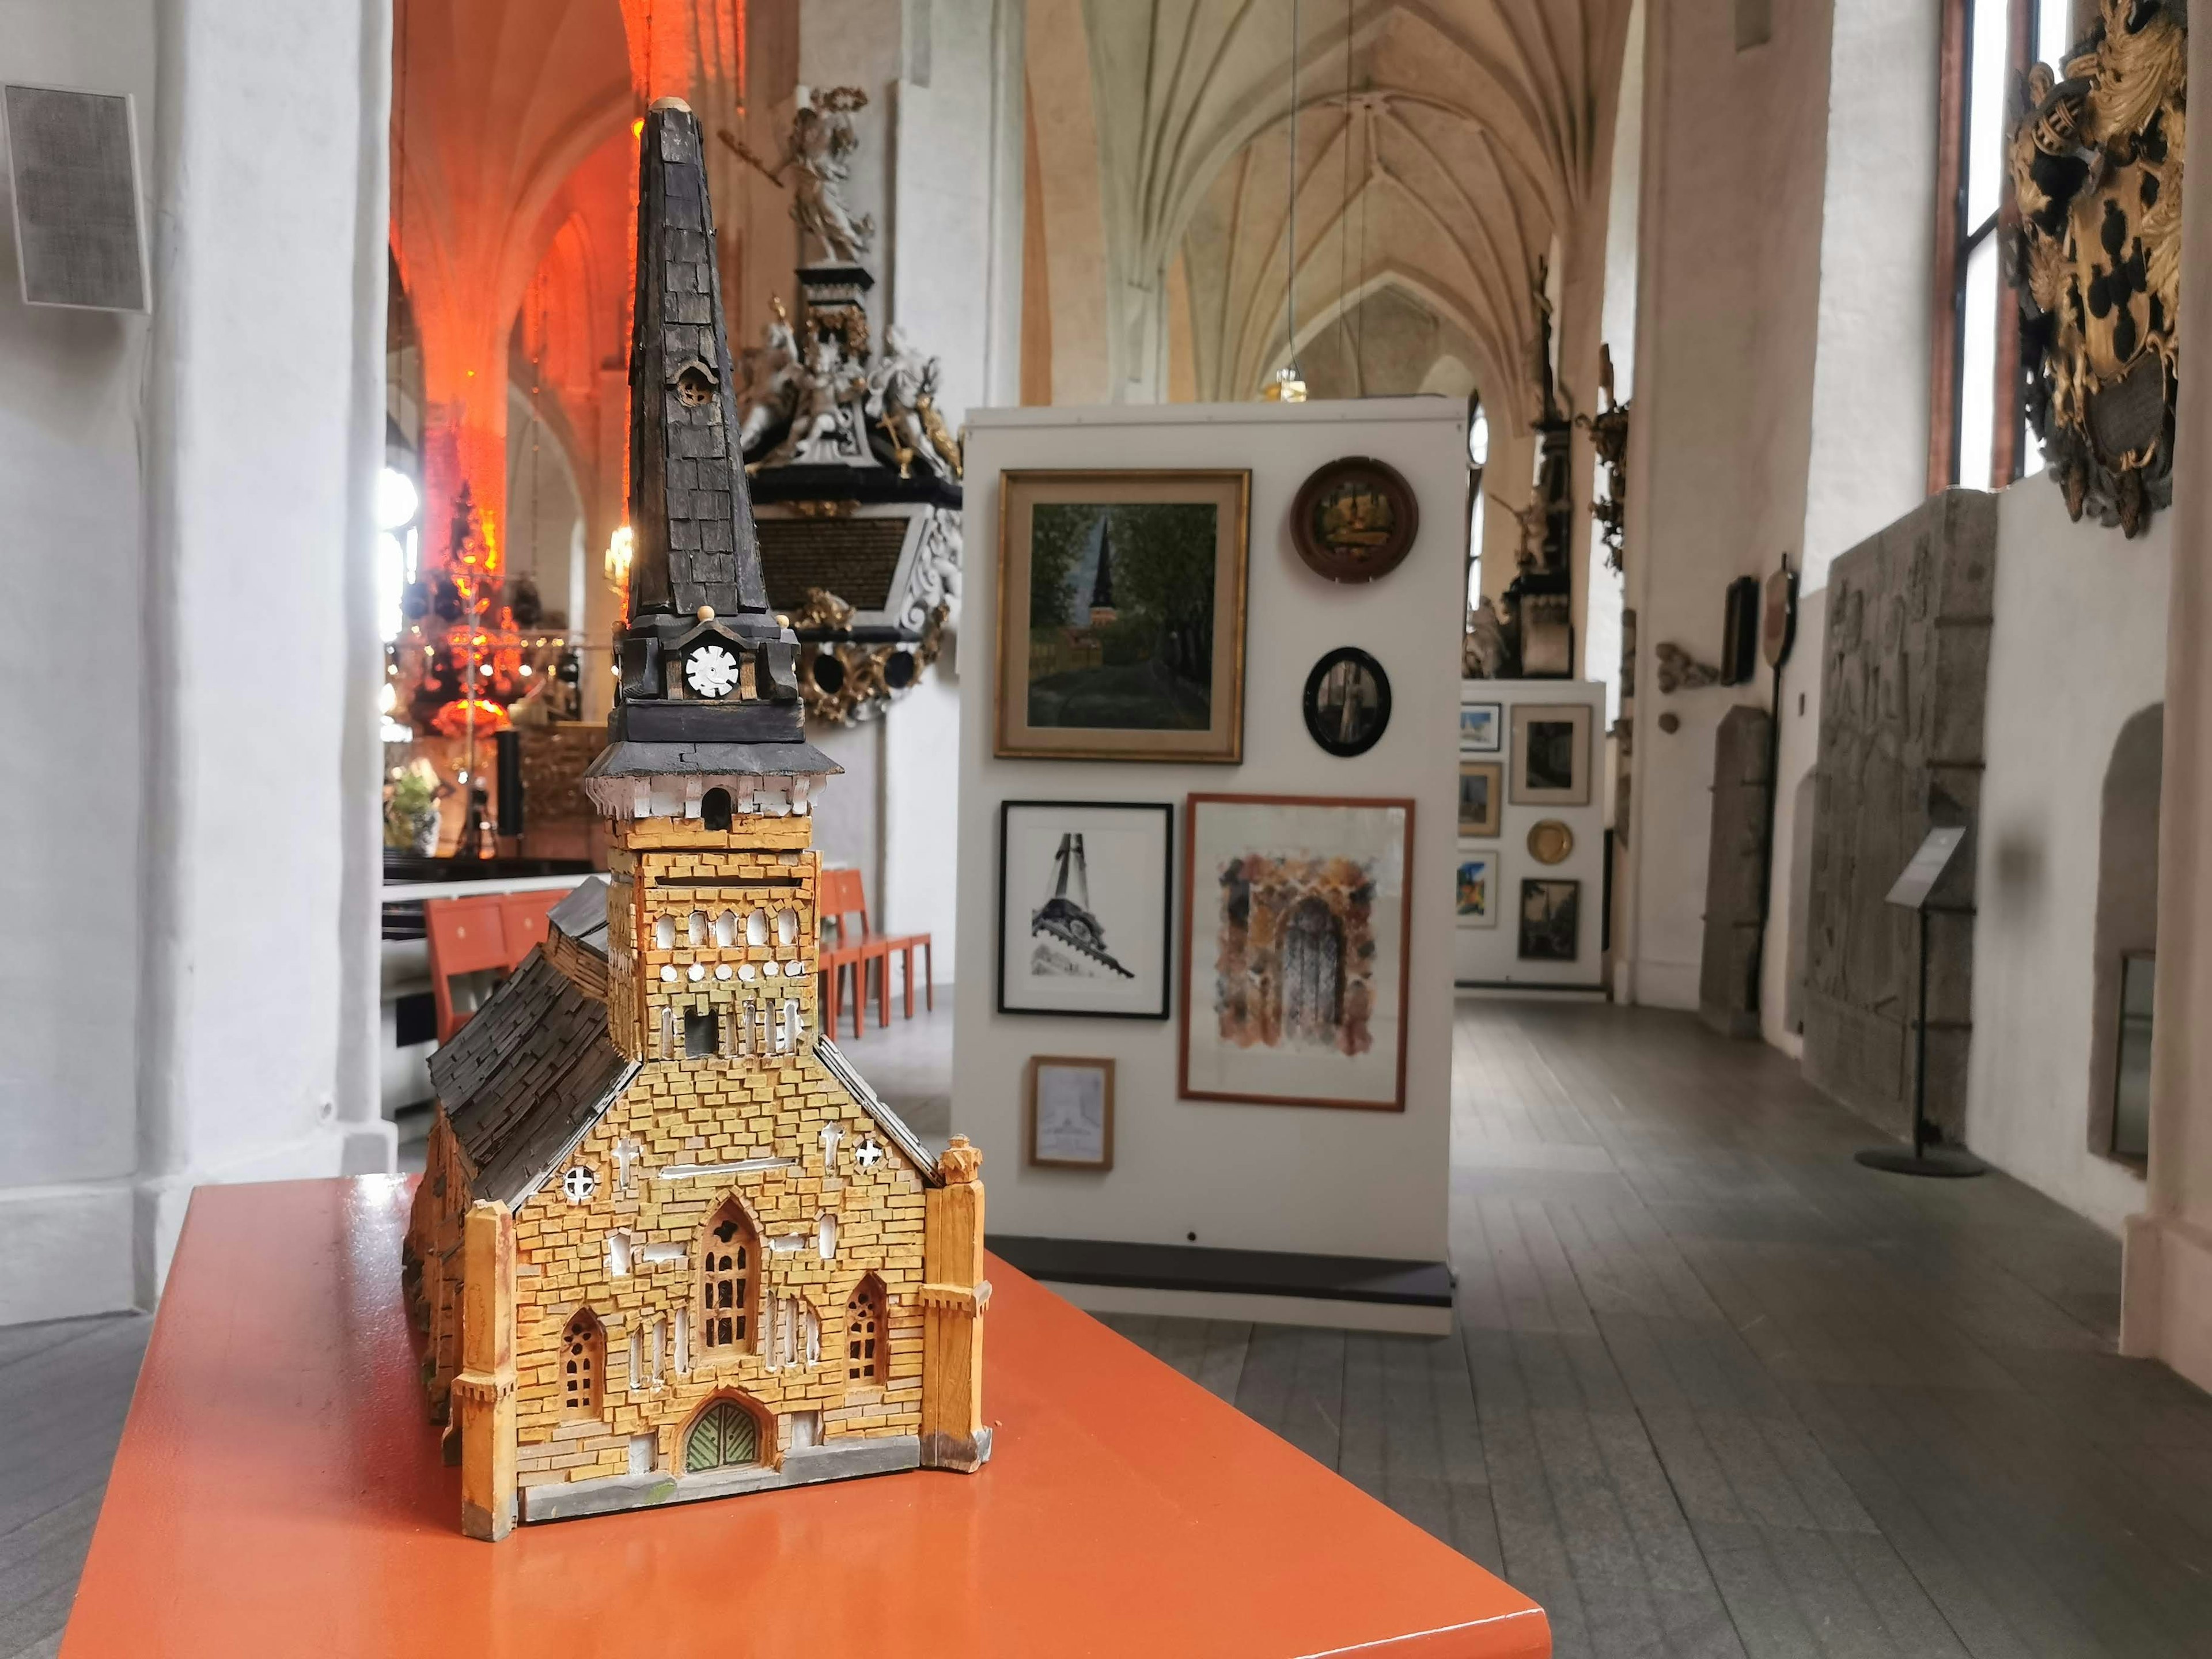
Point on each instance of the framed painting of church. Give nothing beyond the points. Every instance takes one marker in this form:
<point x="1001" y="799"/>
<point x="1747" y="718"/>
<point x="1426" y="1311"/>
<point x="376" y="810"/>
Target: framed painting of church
<point x="1121" y="615"/>
<point x="1296" y="929"/>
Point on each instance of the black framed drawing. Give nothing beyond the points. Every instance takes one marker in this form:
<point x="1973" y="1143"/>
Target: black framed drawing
<point x="1087" y="888"/>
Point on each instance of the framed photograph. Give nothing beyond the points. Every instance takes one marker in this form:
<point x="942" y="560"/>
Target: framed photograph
<point x="1481" y="728"/>
<point x="1355" y="519"/>
<point x="1477" y="889"/>
<point x="1481" y="786"/>
<point x="1551" y="754"/>
<point x="1069" y="1113"/>
<point x="1121" y="615"/>
<point x="1347" y="701"/>
<point x="1294" y="934"/>
<point x="1083" y="900"/>
<point x="1551" y="921"/>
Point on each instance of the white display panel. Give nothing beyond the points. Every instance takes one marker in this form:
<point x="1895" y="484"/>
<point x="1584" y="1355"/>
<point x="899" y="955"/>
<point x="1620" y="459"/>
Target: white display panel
<point x="1235" y="1175"/>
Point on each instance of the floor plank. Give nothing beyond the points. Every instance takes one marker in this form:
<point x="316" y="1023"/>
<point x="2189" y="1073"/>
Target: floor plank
<point x="65" y="1389"/>
<point x="1719" y="1390"/>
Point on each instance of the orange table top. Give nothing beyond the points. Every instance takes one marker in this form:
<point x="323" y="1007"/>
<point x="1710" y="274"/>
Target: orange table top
<point x="278" y="1491"/>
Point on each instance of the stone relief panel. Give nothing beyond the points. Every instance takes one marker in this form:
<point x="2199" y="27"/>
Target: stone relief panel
<point x="1904" y="677"/>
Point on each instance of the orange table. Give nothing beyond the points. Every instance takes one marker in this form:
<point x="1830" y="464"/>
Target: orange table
<point x="278" y="1491"/>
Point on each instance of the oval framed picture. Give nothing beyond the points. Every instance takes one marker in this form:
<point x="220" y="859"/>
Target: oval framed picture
<point x="1355" y="519"/>
<point x="1551" y="842"/>
<point x="1347" y="701"/>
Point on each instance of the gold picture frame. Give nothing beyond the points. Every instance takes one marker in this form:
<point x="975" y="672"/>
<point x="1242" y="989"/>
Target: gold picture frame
<point x="1074" y="1130"/>
<point x="1125" y="688"/>
<point x="1481" y="799"/>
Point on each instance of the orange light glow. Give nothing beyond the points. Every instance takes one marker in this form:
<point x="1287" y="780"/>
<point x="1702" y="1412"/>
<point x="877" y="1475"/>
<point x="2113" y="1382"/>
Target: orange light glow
<point x="457" y="717"/>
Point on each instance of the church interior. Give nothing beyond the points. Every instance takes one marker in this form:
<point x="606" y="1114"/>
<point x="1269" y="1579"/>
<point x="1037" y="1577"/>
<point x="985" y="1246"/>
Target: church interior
<point x="822" y="613"/>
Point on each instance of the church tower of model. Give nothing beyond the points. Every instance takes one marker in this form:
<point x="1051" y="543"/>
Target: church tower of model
<point x="668" y="1245"/>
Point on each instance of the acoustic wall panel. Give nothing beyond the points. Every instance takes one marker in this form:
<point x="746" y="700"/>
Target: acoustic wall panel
<point x="73" y="170"/>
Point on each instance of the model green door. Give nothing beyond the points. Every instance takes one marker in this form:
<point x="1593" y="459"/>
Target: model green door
<point x="726" y="1434"/>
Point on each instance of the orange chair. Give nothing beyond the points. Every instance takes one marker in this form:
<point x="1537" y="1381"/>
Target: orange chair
<point x="843" y="900"/>
<point x="479" y="935"/>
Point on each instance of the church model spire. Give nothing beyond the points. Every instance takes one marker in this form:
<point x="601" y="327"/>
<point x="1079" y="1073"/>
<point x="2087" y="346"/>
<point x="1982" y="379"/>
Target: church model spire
<point x="703" y="660"/>
<point x="668" y="1245"/>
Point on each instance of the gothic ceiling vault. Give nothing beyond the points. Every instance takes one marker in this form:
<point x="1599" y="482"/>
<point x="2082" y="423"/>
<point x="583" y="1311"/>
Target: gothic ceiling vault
<point x="1443" y="150"/>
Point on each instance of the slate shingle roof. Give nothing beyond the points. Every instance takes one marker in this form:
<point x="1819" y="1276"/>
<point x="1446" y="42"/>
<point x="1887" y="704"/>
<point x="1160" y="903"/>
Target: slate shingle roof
<point x="523" y="1080"/>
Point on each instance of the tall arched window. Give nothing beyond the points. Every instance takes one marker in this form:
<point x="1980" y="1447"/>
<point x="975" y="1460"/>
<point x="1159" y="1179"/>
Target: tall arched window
<point x="867" y="1341"/>
<point x="726" y="1280"/>
<point x="583" y="1363"/>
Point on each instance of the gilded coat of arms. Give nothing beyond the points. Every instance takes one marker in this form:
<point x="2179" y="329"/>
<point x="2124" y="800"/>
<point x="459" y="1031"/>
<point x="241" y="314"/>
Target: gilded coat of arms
<point x="2095" y="158"/>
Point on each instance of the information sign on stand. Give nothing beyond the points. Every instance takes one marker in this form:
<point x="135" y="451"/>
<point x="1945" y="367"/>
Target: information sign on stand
<point x="1911" y="891"/>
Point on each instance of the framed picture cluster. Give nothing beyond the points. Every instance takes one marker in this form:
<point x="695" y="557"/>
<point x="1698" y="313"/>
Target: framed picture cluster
<point x="1481" y="811"/>
<point x="1535" y="762"/>
<point x="1296" y="931"/>
<point x="1122" y="601"/>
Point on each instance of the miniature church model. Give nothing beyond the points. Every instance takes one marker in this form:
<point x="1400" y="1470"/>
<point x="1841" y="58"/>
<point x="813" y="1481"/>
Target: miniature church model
<point x="668" y="1245"/>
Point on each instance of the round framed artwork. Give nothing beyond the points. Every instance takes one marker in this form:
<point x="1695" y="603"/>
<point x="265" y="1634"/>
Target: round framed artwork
<point x="1355" y="519"/>
<point x="1347" y="701"/>
<point x="1551" y="842"/>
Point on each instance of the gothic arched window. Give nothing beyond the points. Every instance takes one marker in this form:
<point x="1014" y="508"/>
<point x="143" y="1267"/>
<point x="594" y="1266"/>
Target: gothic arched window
<point x="583" y="1362"/>
<point x="867" y="1338"/>
<point x="726" y="1280"/>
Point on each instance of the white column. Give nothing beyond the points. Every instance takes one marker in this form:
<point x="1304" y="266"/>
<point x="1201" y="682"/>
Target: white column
<point x="272" y="126"/>
<point x="2166" y="1307"/>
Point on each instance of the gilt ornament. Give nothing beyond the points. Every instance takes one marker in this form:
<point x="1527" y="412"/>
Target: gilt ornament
<point x="2095" y="157"/>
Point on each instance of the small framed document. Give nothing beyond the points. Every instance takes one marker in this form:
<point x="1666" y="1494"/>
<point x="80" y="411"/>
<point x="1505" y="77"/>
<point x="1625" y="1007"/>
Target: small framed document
<point x="1070" y="1113"/>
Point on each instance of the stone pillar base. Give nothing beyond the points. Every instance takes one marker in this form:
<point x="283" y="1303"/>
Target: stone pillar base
<point x="2166" y="1298"/>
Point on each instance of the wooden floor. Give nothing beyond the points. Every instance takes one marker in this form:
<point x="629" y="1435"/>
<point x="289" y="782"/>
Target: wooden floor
<point x="1717" y="1389"/>
<point x="64" y="1387"/>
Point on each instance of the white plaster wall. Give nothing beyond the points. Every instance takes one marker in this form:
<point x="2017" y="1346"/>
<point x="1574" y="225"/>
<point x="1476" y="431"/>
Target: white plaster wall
<point x="1727" y="289"/>
<point x="69" y="498"/>
<point x="1866" y="462"/>
<point x="189" y="972"/>
<point x="1236" y="1176"/>
<point x="956" y="290"/>
<point x="2079" y="645"/>
<point x="256" y="502"/>
<point x="941" y="169"/>
<point x="1784" y="408"/>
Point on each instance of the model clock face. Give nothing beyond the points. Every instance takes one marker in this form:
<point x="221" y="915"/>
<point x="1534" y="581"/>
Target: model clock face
<point x="711" y="671"/>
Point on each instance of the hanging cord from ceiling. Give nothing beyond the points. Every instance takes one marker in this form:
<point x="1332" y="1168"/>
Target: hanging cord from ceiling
<point x="1344" y="211"/>
<point x="1287" y="386"/>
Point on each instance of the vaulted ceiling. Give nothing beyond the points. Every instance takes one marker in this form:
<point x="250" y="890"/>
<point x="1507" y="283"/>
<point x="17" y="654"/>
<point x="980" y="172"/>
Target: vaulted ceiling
<point x="1442" y="149"/>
